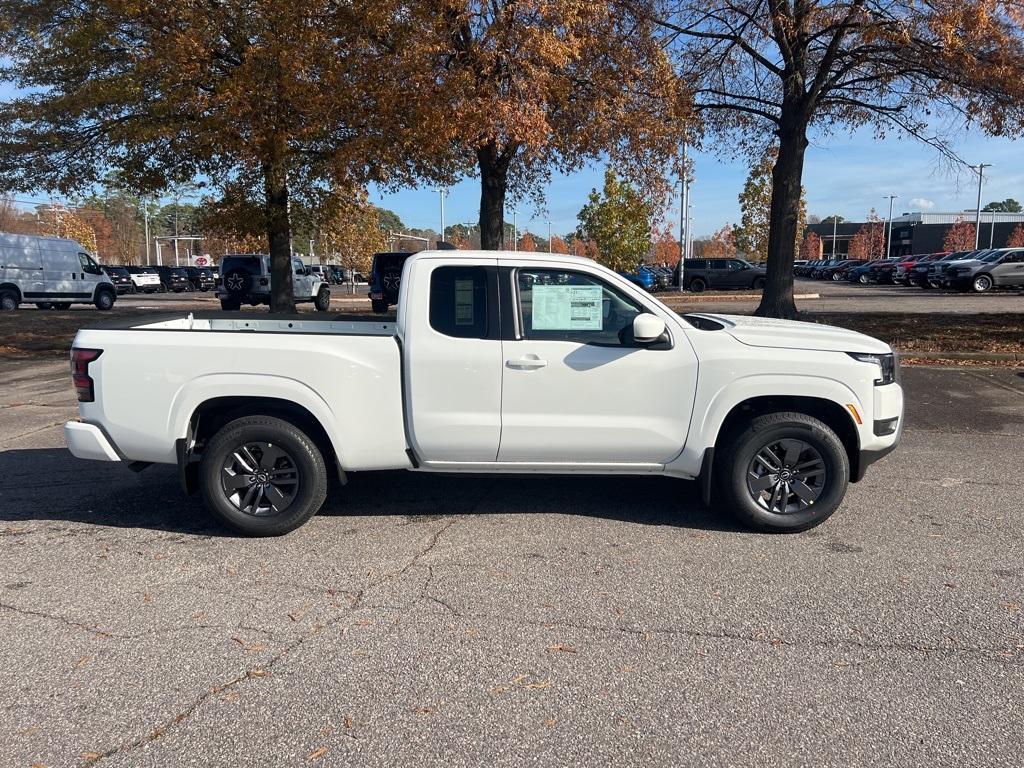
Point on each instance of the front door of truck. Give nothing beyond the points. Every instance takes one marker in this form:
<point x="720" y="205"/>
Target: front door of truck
<point x="577" y="390"/>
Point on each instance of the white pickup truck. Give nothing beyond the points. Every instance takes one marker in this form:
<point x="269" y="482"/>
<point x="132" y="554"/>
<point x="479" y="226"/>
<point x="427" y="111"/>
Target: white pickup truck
<point x="497" y="362"/>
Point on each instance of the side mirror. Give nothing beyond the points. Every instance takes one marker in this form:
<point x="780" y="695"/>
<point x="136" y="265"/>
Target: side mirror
<point x="647" y="328"/>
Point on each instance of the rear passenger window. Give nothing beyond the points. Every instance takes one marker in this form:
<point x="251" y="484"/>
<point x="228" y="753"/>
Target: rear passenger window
<point x="458" y="301"/>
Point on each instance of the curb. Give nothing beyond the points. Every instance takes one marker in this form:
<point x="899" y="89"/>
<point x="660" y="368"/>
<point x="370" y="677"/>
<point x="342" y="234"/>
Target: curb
<point x="991" y="357"/>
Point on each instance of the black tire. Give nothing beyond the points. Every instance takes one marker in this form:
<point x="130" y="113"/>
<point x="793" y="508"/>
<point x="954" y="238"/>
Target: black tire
<point x="379" y="306"/>
<point x="758" y="284"/>
<point x="9" y="300"/>
<point x="131" y="288"/>
<point x="697" y="285"/>
<point x="738" y="467"/>
<point x="230" y="305"/>
<point x="322" y="302"/>
<point x="863" y="279"/>
<point x="290" y="454"/>
<point x="981" y="283"/>
<point x="105" y="300"/>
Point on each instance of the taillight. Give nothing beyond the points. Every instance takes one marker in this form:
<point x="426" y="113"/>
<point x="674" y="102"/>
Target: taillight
<point x="80" y="359"/>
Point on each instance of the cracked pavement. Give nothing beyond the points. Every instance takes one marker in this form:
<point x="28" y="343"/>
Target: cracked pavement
<point x="466" y="621"/>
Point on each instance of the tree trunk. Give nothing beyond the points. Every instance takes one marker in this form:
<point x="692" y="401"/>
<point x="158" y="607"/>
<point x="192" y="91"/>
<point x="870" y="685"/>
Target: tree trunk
<point x="783" y="218"/>
<point x="493" y="184"/>
<point x="275" y="177"/>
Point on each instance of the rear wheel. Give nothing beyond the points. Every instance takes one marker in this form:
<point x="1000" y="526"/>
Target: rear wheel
<point x="784" y="472"/>
<point x="758" y="283"/>
<point x="981" y="283"/>
<point x="230" y="305"/>
<point x="697" y="285"/>
<point x="322" y="302"/>
<point x="8" y="300"/>
<point x="379" y="306"/>
<point x="262" y="476"/>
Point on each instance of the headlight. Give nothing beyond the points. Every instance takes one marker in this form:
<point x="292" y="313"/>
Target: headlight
<point x="886" y="365"/>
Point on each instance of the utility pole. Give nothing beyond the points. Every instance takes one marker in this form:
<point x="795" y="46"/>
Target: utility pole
<point x="977" y="218"/>
<point x="441" y="193"/>
<point x="145" y="219"/>
<point x="888" y="236"/>
<point x="684" y="194"/>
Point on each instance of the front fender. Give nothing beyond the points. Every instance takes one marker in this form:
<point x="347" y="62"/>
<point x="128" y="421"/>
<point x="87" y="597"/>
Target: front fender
<point x="711" y="409"/>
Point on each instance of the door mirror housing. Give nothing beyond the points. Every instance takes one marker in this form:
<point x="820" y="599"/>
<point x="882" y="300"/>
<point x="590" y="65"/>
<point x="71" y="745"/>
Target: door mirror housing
<point x="647" y="328"/>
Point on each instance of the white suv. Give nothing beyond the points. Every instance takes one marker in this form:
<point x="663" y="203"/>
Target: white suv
<point x="245" y="279"/>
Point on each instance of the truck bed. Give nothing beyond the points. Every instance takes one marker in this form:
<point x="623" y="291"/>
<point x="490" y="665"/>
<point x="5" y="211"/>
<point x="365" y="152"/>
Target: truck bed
<point x="155" y="371"/>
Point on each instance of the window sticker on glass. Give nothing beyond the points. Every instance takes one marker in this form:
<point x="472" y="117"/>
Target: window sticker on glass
<point x="567" y="307"/>
<point x="464" y="302"/>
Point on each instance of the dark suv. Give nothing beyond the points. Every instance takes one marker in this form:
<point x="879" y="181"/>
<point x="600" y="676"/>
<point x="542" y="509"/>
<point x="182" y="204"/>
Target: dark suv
<point x="720" y="274"/>
<point x="385" y="279"/>
<point x="120" y="277"/>
<point x="202" y="278"/>
<point x="173" y="279"/>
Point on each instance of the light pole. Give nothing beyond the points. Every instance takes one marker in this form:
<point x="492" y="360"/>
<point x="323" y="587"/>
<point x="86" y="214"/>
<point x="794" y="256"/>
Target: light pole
<point x="145" y="219"/>
<point x="549" y="237"/>
<point x="441" y="193"/>
<point x="515" y="230"/>
<point x="835" y="219"/>
<point x="977" y="214"/>
<point x="684" y="230"/>
<point x="992" y="229"/>
<point x="888" y="236"/>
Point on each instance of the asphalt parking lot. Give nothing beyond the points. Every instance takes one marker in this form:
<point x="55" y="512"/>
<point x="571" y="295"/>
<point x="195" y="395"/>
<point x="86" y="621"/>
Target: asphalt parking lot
<point x="497" y="621"/>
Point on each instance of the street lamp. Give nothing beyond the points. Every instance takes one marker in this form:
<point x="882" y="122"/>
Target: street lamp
<point x="515" y="230"/>
<point x="977" y="216"/>
<point x="442" y="193"/>
<point x="549" y="237"/>
<point x="835" y="218"/>
<point x="888" y="236"/>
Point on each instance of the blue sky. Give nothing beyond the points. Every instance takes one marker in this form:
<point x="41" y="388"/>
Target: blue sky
<point x="847" y="175"/>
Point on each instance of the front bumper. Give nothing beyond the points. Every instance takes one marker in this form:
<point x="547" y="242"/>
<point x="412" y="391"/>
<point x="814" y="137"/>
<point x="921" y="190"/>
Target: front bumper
<point x="888" y="405"/>
<point x="87" y="441"/>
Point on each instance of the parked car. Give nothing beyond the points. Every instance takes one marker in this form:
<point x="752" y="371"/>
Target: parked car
<point x="901" y="274"/>
<point x="173" y="279"/>
<point x="936" y="275"/>
<point x="859" y="273"/>
<point x="774" y="418"/>
<point x="145" y="279"/>
<point x="386" y="279"/>
<point x="721" y="274"/>
<point x="838" y="271"/>
<point x="998" y="268"/>
<point x="245" y="279"/>
<point x="643" y="277"/>
<point x="52" y="273"/>
<point x="202" y="278"/>
<point x="120" y="278"/>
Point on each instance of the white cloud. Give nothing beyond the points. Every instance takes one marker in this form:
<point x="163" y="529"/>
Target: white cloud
<point x="922" y="204"/>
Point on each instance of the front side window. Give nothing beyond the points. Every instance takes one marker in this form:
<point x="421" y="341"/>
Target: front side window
<point x="458" y="301"/>
<point x="571" y="306"/>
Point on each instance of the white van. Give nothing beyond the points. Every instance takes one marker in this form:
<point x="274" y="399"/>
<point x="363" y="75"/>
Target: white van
<point x="50" y="272"/>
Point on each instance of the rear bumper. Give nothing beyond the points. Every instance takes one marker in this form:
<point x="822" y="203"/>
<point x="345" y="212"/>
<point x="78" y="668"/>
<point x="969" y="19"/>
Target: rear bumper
<point x="87" y="441"/>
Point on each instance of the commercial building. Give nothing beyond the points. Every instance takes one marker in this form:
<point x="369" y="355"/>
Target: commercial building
<point x="919" y="232"/>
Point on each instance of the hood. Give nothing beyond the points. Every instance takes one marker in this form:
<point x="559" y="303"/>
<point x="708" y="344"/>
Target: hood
<point x="791" y="334"/>
<point x="957" y="263"/>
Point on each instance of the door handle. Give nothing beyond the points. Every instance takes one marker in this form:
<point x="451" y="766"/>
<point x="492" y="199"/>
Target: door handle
<point x="527" y="363"/>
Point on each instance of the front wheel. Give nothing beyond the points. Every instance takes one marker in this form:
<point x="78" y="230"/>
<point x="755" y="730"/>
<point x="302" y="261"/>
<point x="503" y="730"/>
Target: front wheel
<point x="758" y="284"/>
<point x="784" y="472"/>
<point x="863" y="280"/>
<point x="262" y="476"/>
<point x="8" y="301"/>
<point x="322" y="302"/>
<point x="697" y="285"/>
<point x="104" y="300"/>
<point x="981" y="283"/>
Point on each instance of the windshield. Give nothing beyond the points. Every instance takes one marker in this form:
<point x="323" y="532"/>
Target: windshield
<point x="250" y="264"/>
<point x="991" y="256"/>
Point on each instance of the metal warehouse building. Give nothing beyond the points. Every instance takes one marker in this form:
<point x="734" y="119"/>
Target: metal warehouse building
<point x="920" y="232"/>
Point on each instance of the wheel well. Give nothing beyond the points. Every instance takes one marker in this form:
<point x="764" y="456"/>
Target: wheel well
<point x="213" y="414"/>
<point x="11" y="287"/>
<point x="831" y="413"/>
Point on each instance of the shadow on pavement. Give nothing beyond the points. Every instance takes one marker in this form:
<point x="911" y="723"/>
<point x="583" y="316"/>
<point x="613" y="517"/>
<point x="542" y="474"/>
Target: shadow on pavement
<point x="49" y="484"/>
